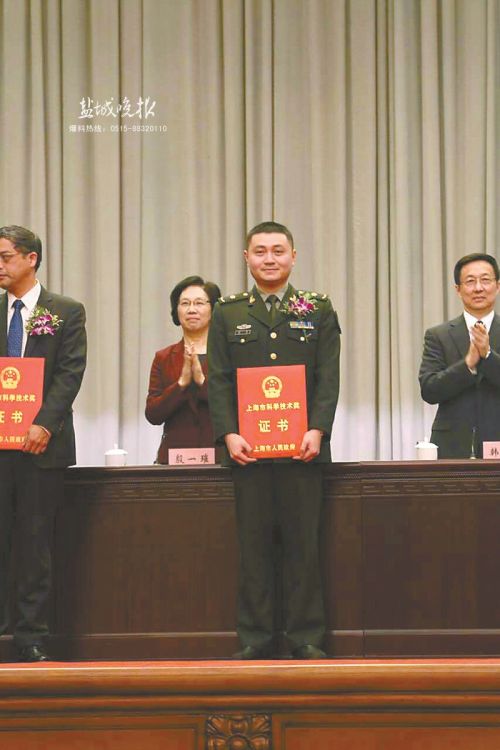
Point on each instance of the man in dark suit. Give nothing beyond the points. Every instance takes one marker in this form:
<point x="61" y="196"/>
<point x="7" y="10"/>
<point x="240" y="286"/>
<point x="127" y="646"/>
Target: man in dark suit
<point x="31" y="477"/>
<point x="460" y="367"/>
<point x="252" y="329"/>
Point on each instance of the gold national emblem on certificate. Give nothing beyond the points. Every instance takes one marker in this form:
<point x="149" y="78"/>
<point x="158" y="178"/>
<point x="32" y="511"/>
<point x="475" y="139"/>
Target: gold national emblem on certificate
<point x="272" y="386"/>
<point x="10" y="377"/>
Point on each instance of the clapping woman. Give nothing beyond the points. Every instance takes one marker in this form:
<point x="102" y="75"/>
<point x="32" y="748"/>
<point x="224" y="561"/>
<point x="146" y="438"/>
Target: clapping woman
<point x="177" y="396"/>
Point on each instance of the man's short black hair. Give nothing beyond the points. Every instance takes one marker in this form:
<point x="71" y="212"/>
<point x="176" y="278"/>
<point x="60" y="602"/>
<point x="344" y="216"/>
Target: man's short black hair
<point x="211" y="290"/>
<point x="268" y="227"/>
<point x="471" y="259"/>
<point x="23" y="240"/>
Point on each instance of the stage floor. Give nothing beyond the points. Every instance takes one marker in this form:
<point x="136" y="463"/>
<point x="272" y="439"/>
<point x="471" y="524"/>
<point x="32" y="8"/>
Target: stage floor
<point x="434" y="704"/>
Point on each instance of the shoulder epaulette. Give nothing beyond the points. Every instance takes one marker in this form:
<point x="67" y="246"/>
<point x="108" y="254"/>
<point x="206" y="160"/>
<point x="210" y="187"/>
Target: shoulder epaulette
<point x="234" y="297"/>
<point x="315" y="295"/>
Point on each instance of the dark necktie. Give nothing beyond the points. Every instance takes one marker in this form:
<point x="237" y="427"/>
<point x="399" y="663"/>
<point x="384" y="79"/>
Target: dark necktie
<point x="272" y="299"/>
<point x="15" y="334"/>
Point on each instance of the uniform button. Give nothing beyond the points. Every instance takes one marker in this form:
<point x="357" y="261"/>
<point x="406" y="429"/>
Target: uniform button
<point x="273" y="355"/>
<point x="242" y="341"/>
<point x="273" y="335"/>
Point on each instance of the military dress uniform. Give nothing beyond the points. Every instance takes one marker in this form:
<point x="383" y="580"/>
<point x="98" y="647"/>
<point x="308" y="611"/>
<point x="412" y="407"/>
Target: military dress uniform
<point x="283" y="492"/>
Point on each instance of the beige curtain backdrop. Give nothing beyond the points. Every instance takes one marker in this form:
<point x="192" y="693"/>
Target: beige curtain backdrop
<point x="370" y="127"/>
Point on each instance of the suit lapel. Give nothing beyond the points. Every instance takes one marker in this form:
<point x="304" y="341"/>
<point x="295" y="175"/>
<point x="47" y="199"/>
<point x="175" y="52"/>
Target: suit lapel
<point x="257" y="308"/>
<point x="173" y="365"/>
<point x="460" y="334"/>
<point x="495" y="333"/>
<point x="281" y="316"/>
<point x="494" y="336"/>
<point x="3" y="325"/>
<point x="461" y="337"/>
<point x="33" y="342"/>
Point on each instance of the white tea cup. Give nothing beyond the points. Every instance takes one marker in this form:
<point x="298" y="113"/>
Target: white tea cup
<point x="115" y="456"/>
<point x="426" y="451"/>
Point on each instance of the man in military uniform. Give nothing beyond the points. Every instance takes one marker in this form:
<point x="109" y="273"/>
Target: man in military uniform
<point x="252" y="329"/>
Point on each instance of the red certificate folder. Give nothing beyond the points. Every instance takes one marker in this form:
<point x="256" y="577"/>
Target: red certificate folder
<point x="272" y="409"/>
<point x="21" y="394"/>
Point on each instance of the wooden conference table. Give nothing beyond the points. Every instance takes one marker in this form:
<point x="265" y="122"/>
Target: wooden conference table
<point x="146" y="561"/>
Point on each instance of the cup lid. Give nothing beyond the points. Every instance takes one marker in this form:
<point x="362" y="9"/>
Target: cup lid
<point x="115" y="451"/>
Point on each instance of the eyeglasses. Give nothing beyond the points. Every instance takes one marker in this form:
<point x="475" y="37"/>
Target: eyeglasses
<point x="483" y="281"/>
<point x="198" y="304"/>
<point x="6" y="257"/>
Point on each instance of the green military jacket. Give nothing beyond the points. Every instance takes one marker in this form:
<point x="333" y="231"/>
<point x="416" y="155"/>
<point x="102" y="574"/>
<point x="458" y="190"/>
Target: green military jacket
<point x="241" y="335"/>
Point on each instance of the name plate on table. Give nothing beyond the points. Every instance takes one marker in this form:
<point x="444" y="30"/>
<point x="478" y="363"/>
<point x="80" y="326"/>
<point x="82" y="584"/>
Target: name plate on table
<point x="272" y="409"/>
<point x="191" y="456"/>
<point x="491" y="449"/>
<point x="21" y="395"/>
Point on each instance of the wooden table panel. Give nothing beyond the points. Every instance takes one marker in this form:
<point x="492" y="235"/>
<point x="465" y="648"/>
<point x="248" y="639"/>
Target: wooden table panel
<point x="146" y="561"/>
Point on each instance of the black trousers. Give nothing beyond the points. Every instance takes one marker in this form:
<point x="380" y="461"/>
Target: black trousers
<point x="28" y="501"/>
<point x="288" y="496"/>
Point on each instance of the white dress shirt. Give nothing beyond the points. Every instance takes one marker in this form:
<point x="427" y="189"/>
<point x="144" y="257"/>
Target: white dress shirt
<point x="470" y="320"/>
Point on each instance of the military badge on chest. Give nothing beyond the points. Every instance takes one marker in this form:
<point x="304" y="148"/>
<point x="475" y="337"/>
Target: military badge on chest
<point x="243" y="329"/>
<point x="299" y="307"/>
<point x="303" y="325"/>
